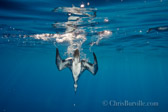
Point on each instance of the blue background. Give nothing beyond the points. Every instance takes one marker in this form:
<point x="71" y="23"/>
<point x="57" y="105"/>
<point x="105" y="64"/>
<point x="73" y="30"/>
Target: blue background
<point x="133" y="64"/>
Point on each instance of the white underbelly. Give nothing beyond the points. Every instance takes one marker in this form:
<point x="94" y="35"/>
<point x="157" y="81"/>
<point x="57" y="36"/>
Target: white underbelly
<point x="76" y="69"/>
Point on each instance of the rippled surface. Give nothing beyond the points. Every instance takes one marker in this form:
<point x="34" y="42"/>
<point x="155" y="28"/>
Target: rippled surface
<point x="130" y="39"/>
<point x="120" y="27"/>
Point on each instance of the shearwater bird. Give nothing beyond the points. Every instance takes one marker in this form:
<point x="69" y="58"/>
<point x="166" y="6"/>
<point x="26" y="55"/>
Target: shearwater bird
<point x="76" y="65"/>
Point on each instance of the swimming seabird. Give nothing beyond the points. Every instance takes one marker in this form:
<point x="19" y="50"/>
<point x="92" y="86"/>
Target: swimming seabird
<point x="76" y="65"/>
<point x="161" y="28"/>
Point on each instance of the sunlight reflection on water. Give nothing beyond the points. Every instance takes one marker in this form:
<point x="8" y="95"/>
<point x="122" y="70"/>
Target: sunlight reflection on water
<point x="81" y="22"/>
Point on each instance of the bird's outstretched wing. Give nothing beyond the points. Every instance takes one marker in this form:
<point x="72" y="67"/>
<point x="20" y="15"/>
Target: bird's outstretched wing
<point x="93" y="68"/>
<point x="61" y="64"/>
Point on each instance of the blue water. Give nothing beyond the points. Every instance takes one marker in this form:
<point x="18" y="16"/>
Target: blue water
<point x="129" y="38"/>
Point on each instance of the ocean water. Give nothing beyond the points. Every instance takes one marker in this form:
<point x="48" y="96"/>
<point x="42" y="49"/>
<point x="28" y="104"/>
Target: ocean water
<point x="129" y="38"/>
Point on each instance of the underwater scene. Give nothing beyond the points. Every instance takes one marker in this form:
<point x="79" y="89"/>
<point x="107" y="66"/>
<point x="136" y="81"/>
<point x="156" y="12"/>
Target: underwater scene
<point x="83" y="55"/>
